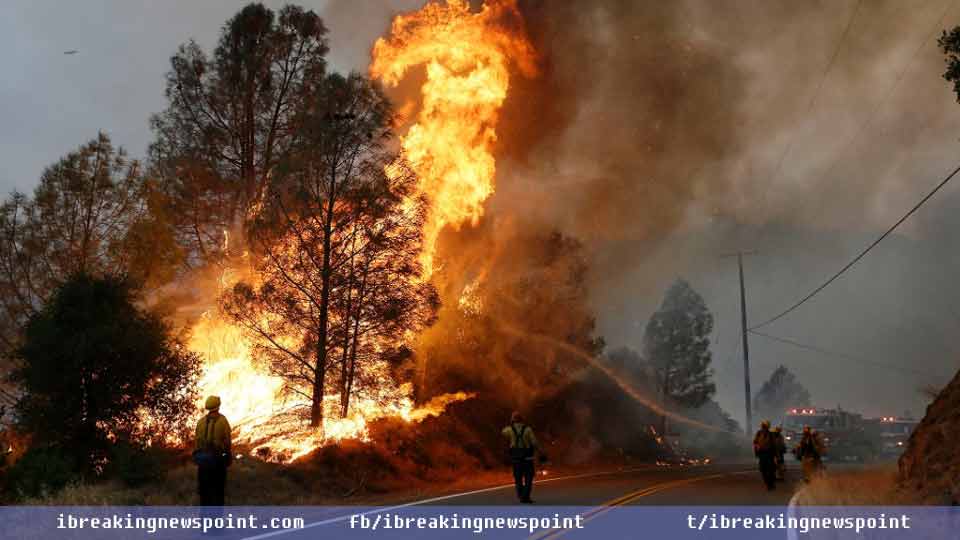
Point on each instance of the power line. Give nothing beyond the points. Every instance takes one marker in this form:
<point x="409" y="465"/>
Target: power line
<point x="891" y="90"/>
<point x="871" y="116"/>
<point x="814" y="97"/>
<point x="861" y="254"/>
<point x="821" y="350"/>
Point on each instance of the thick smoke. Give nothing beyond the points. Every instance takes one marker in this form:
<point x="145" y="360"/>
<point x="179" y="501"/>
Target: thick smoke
<point x="664" y="135"/>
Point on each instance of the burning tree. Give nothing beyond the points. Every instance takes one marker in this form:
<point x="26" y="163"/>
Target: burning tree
<point x="522" y="329"/>
<point x="336" y="241"/>
<point x="232" y="117"/>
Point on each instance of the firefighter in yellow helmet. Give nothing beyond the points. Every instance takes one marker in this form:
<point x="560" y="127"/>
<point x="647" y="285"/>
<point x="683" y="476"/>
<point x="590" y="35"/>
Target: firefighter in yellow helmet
<point x="523" y="445"/>
<point x="212" y="454"/>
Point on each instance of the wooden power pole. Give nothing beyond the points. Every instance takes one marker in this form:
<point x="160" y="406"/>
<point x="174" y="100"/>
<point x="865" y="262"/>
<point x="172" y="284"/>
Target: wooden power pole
<point x="746" y="342"/>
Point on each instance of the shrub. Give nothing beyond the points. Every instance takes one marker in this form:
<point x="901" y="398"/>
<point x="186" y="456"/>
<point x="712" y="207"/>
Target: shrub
<point x="41" y="471"/>
<point x="133" y="465"/>
<point x="93" y="365"/>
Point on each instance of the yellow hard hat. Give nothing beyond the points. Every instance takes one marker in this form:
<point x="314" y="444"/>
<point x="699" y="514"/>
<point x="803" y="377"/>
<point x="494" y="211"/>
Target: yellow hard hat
<point x="213" y="402"/>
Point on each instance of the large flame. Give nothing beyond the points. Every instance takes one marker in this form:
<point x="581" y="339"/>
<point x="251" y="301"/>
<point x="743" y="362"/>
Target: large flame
<point x="467" y="57"/>
<point x="271" y="421"/>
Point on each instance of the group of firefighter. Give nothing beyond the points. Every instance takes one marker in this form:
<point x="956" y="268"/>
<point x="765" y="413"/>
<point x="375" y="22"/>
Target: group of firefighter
<point x="213" y="456"/>
<point x="770" y="448"/>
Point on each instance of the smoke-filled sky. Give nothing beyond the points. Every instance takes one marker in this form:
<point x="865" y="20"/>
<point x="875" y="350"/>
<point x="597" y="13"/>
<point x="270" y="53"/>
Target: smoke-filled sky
<point x="663" y="135"/>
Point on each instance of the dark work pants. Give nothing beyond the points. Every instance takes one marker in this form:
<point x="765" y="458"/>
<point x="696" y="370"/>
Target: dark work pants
<point x="523" y="478"/>
<point x="211" y="483"/>
<point x="768" y="469"/>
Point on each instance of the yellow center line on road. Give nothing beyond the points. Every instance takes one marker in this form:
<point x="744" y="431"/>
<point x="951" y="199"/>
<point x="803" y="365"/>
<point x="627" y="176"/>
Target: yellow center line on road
<point x="628" y="498"/>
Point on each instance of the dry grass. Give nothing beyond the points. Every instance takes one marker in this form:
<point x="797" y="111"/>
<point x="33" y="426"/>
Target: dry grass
<point x="250" y="482"/>
<point x="872" y="486"/>
<point x="256" y="483"/>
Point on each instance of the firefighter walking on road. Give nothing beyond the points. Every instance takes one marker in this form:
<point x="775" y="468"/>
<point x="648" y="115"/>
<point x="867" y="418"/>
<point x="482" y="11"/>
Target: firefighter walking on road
<point x="764" y="449"/>
<point x="779" y="450"/>
<point x="810" y="453"/>
<point x="523" y="446"/>
<point x="212" y="454"/>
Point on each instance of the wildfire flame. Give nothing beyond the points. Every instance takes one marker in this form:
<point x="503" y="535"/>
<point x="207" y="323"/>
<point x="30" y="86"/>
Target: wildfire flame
<point x="267" y="419"/>
<point x="467" y="57"/>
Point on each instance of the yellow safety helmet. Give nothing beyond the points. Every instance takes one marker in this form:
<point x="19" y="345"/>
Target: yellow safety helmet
<point x="213" y="403"/>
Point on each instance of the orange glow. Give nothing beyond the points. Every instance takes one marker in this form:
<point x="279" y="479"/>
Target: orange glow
<point x="449" y="143"/>
<point x="467" y="57"/>
<point x="270" y="421"/>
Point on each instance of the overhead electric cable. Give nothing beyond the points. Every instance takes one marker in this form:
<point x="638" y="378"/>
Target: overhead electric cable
<point x="861" y="254"/>
<point x="821" y="350"/>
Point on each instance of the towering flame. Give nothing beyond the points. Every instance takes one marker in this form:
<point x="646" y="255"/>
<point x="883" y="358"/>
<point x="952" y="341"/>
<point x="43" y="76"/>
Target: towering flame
<point x="467" y="57"/>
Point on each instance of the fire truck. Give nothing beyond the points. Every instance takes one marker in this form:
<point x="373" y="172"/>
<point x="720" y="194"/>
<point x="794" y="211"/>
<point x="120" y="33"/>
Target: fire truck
<point x="892" y="433"/>
<point x="846" y="435"/>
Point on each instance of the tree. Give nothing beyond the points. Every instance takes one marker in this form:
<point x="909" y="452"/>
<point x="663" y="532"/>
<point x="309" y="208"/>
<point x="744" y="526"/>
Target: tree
<point x="677" y="348"/>
<point x="779" y="393"/>
<point x="337" y="241"/>
<point x="725" y="442"/>
<point x="950" y="45"/>
<point x="93" y="367"/>
<point x="79" y="219"/>
<point x="628" y="363"/>
<point x="231" y="117"/>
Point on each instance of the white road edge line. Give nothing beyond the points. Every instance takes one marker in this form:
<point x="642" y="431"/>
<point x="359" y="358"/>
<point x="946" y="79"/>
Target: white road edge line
<point x="435" y="499"/>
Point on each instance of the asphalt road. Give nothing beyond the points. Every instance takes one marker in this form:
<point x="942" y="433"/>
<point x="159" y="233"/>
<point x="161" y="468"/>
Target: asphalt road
<point x="737" y="484"/>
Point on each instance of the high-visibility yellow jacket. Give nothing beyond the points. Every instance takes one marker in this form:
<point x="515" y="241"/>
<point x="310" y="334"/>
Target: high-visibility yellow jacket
<point x="527" y="440"/>
<point x="213" y="434"/>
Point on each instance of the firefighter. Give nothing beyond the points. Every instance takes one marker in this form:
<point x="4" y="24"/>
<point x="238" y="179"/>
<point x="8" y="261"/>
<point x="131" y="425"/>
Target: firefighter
<point x="764" y="450"/>
<point x="523" y="446"/>
<point x="212" y="454"/>
<point x="810" y="453"/>
<point x="779" y="450"/>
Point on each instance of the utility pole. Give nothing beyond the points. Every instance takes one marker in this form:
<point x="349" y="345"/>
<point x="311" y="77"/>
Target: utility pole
<point x="746" y="342"/>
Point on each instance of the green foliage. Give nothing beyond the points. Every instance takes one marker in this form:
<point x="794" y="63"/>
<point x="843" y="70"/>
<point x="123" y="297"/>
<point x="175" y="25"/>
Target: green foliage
<point x="950" y="45"/>
<point x="40" y="471"/>
<point x="77" y="219"/>
<point x="677" y="347"/>
<point x="92" y="365"/>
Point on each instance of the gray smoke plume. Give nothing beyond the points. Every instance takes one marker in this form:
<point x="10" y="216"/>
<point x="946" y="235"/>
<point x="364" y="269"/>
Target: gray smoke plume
<point x="664" y="135"/>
